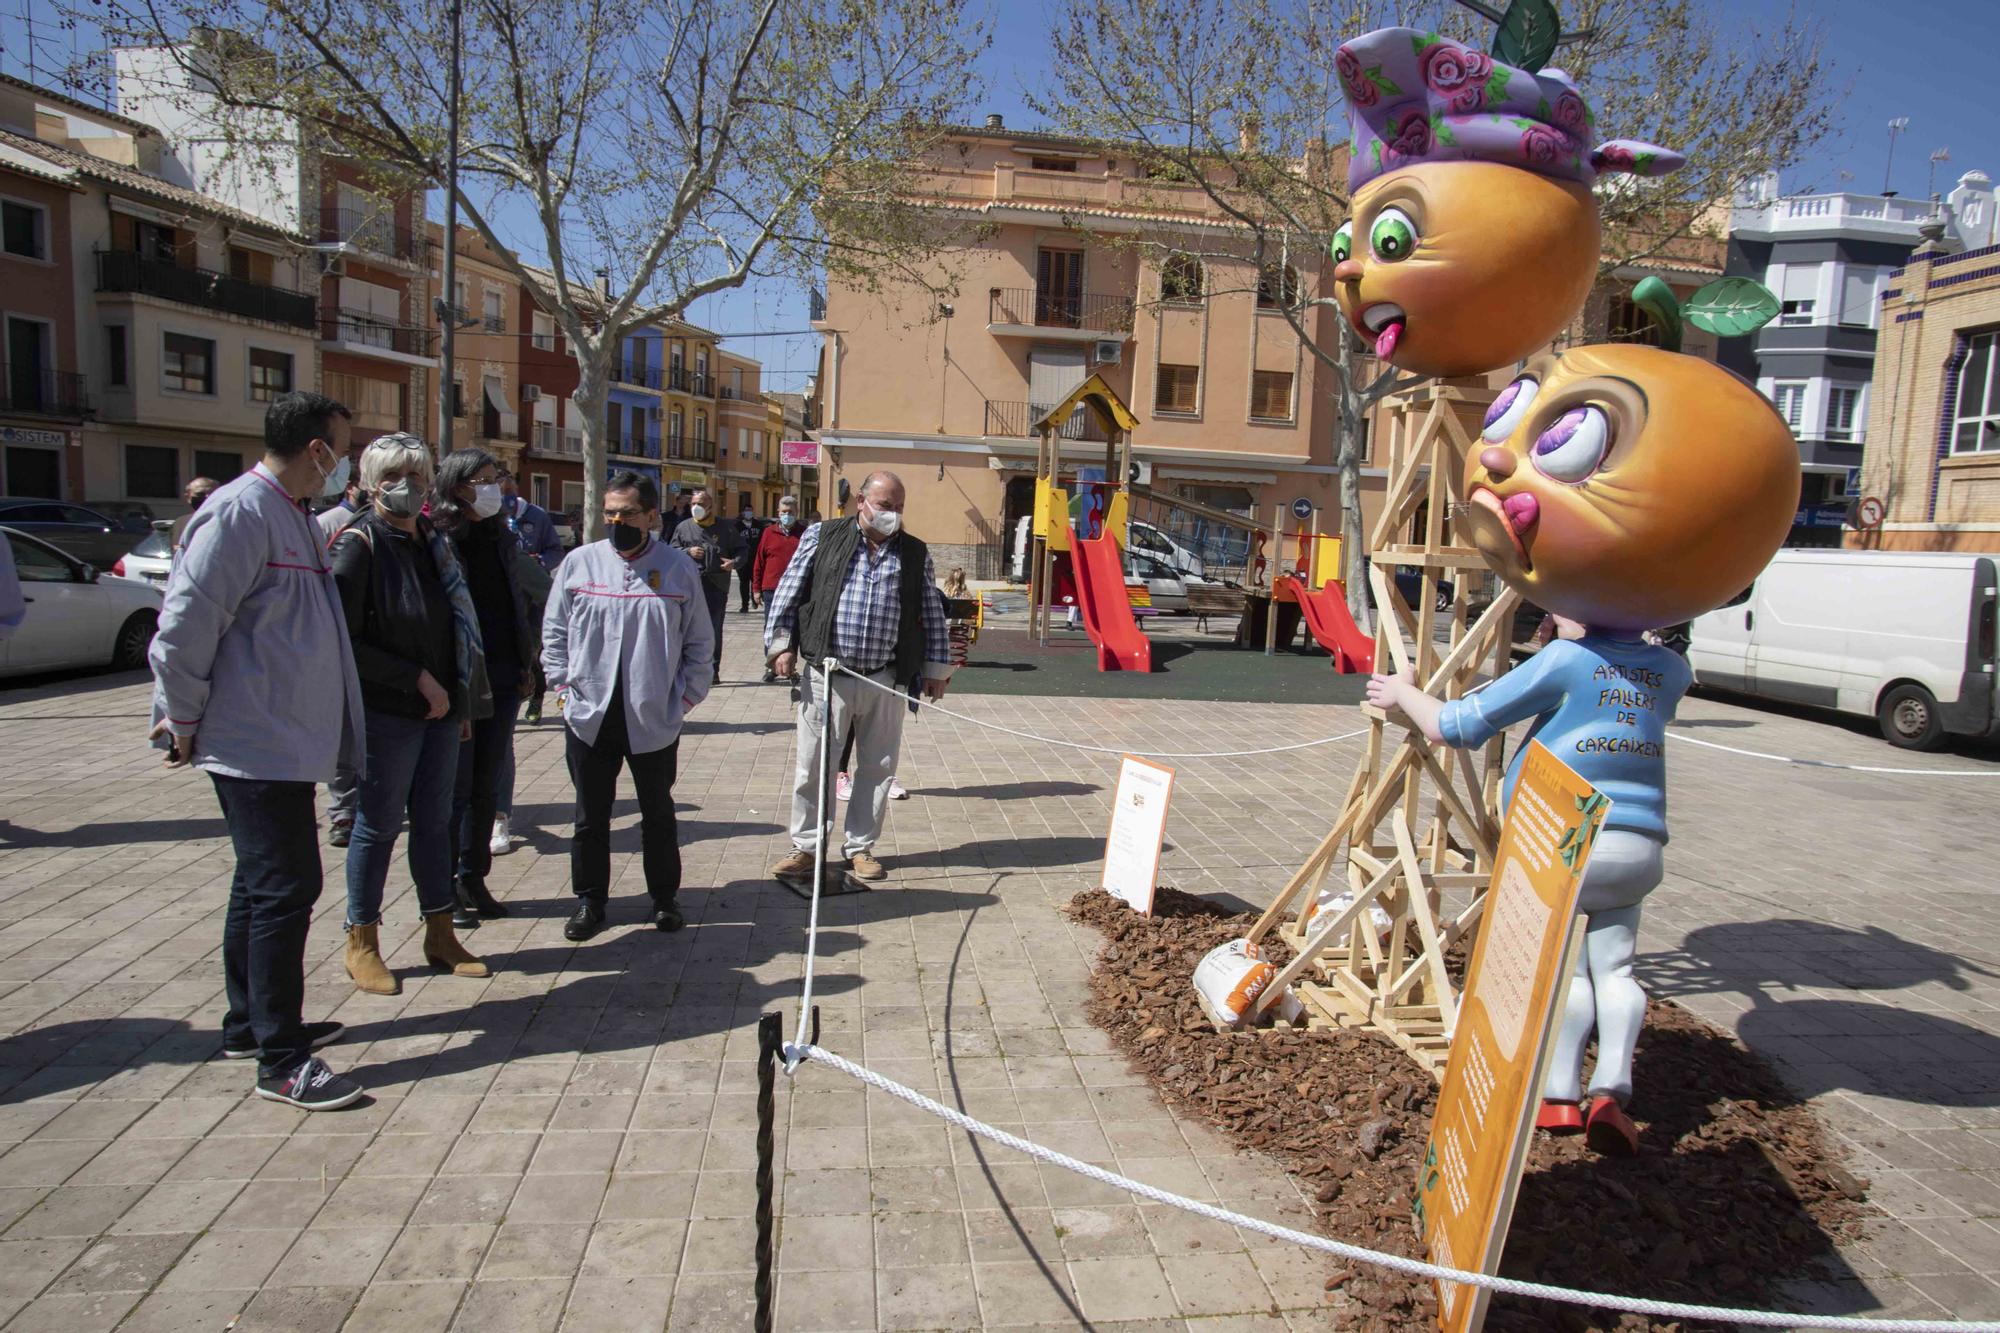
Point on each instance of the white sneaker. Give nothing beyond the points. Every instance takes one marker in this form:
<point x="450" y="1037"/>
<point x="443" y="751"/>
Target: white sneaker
<point x="896" y="792"/>
<point x="843" y="787"/>
<point x="503" y="837"/>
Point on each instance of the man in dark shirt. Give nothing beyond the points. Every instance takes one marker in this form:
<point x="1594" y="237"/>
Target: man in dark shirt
<point x="716" y="550"/>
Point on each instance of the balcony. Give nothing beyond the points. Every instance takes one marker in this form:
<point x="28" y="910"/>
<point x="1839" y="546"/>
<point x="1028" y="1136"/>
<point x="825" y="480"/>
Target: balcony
<point x="361" y="331"/>
<point x="493" y="323"/>
<point x="370" y="233"/>
<point x="553" y="441"/>
<point x="691" y="449"/>
<point x="703" y="385"/>
<point x="636" y="372"/>
<point x="816" y="306"/>
<point x="1016" y="420"/>
<point x="678" y="378"/>
<point x="127" y="271"/>
<point x="635" y="446"/>
<point x="1038" y="312"/>
<point x="32" y="391"/>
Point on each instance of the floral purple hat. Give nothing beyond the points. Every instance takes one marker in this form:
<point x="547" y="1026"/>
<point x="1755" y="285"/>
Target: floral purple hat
<point x="1417" y="97"/>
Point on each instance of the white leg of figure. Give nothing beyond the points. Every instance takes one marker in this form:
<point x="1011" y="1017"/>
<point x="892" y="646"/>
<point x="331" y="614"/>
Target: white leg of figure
<point x="1565" y="1079"/>
<point x="1609" y="944"/>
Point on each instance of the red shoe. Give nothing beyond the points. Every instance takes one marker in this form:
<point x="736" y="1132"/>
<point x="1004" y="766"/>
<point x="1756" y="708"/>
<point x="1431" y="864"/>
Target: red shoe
<point x="1559" y="1117"/>
<point x="1611" y="1132"/>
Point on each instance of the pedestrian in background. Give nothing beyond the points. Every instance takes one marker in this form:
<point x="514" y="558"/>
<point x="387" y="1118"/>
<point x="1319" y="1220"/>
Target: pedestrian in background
<point x="194" y="493"/>
<point x="863" y="591"/>
<point x="628" y="640"/>
<point x="535" y="531"/>
<point x="353" y="502"/>
<point x="423" y="682"/>
<point x="774" y="551"/>
<point x="254" y="684"/>
<point x="748" y="530"/>
<point x="344" y="790"/>
<point x="507" y="586"/>
<point x="715" y="549"/>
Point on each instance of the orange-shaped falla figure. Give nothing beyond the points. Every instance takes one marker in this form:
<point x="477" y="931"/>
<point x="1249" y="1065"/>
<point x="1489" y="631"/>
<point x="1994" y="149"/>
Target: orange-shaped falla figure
<point x="1630" y="488"/>
<point x="1455" y="268"/>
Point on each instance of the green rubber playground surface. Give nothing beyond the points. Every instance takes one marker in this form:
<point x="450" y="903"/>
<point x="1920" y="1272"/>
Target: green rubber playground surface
<point x="1007" y="661"/>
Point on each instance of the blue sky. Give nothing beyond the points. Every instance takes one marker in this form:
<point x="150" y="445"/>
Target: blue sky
<point x="1928" y="61"/>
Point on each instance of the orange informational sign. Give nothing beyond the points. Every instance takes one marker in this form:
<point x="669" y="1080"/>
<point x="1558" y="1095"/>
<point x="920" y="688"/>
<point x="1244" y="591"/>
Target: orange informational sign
<point x="1514" y="990"/>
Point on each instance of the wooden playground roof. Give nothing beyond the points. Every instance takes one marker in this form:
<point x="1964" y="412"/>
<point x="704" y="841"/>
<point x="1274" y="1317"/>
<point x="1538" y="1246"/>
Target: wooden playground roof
<point x="1103" y="399"/>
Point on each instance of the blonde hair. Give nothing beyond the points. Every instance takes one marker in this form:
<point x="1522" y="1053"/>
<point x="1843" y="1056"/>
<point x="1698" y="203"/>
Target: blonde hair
<point x="393" y="453"/>
<point x="954" y="582"/>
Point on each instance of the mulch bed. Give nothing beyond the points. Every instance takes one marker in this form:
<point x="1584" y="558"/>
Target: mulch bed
<point x="1734" y="1191"/>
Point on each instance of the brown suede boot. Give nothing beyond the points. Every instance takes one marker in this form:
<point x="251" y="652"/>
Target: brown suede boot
<point x="443" y="951"/>
<point x="365" y="965"/>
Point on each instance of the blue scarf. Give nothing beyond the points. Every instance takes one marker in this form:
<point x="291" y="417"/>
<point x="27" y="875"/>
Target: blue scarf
<point x="470" y="651"/>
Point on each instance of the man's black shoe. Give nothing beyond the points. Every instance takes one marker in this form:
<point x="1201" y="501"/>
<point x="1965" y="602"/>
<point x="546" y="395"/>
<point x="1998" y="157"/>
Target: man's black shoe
<point x="317" y="1035"/>
<point x="585" y="921"/>
<point x="340" y="834"/>
<point x="770" y="676"/>
<point x="668" y="918"/>
<point x="475" y="895"/>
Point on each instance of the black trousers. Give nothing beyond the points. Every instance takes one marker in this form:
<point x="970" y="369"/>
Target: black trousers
<point x="594" y="771"/>
<point x="717" y="593"/>
<point x="276" y="839"/>
<point x="476" y="792"/>
<point x="743" y="584"/>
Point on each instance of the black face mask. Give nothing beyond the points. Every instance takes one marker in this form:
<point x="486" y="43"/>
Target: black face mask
<point x="627" y="537"/>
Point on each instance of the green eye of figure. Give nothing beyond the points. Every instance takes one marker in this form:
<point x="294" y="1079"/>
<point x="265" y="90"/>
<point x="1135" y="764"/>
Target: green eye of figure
<point x="1394" y="236"/>
<point x="1343" y="243"/>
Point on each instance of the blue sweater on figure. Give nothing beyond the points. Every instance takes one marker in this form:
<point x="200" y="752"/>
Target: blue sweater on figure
<point x="1601" y="705"/>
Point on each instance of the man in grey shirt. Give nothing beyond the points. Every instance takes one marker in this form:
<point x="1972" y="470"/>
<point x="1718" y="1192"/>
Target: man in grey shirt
<point x="254" y="684"/>
<point x="717" y="549"/>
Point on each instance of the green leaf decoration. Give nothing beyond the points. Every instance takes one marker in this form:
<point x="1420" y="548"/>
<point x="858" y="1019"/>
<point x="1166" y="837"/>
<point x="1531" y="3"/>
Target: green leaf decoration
<point x="1441" y="131"/>
<point x="1383" y="81"/>
<point x="1527" y="35"/>
<point x="1657" y="299"/>
<point x="1731" y="307"/>
<point x="1496" y="85"/>
<point x="1424" y="40"/>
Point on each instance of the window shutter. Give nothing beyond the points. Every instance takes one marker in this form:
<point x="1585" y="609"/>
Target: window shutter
<point x="1073" y="284"/>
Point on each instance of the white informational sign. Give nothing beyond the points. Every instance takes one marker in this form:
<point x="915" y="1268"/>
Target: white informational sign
<point x="1138" y="824"/>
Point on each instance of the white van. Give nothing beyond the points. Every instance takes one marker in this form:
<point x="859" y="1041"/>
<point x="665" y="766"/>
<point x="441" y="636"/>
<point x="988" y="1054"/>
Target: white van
<point x="1163" y="546"/>
<point x="1907" y="637"/>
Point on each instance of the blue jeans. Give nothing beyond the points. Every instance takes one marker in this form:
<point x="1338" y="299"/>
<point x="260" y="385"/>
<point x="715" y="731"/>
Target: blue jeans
<point x="276" y="840"/>
<point x="411" y="767"/>
<point x="484" y="784"/>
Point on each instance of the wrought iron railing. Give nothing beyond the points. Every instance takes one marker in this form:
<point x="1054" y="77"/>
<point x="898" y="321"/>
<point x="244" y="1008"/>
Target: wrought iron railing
<point x="33" y="391"/>
<point x="1017" y="420"/>
<point x="373" y="232"/>
<point x="1047" y="308"/>
<point x="641" y="373"/>
<point x="129" y="271"/>
<point x="361" y="328"/>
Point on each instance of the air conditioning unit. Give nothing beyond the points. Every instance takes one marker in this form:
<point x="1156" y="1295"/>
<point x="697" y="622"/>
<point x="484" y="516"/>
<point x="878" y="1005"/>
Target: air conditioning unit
<point x="531" y="393"/>
<point x="1108" y="352"/>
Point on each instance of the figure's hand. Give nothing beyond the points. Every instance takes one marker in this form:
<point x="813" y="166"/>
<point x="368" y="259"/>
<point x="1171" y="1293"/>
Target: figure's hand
<point x="934" y="688"/>
<point x="785" y="663"/>
<point x="180" y="748"/>
<point x="464" y="730"/>
<point x="1386" y="692"/>
<point x="526" y="689"/>
<point x="727" y="563"/>
<point x="435" y="699"/>
<point x="697" y="551"/>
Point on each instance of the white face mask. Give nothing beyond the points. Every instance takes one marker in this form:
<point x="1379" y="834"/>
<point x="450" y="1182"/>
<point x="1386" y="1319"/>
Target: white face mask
<point x="486" y="499"/>
<point x="700" y="512"/>
<point x="786" y="520"/>
<point x="886" y="521"/>
<point x="335" y="482"/>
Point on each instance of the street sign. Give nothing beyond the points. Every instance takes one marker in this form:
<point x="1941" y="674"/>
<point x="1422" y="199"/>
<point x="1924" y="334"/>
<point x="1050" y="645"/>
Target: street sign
<point x="1853" y="481"/>
<point x="1869" y="513"/>
<point x="1514" y="989"/>
<point x="1302" y="509"/>
<point x="798" y="453"/>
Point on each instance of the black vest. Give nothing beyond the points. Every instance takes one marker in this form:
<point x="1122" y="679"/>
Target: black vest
<point x="832" y="559"/>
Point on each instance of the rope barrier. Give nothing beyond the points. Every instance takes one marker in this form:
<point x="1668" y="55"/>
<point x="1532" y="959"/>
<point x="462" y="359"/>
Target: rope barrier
<point x="799" y="1050"/>
<point x="1680" y="735"/>
<point x="1396" y="1262"/>
<point x="1106" y="749"/>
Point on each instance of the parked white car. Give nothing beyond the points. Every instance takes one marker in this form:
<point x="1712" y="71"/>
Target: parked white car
<point x="152" y="559"/>
<point x="1165" y="587"/>
<point x="75" y="618"/>
<point x="1907" y="637"/>
<point x="1159" y="544"/>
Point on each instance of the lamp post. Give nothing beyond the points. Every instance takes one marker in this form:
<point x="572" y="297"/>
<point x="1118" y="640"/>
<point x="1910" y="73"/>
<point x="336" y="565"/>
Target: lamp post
<point x="447" y="304"/>
<point x="1896" y="127"/>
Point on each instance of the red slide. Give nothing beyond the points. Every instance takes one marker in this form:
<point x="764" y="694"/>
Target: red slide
<point x="1327" y="618"/>
<point x="1107" y="612"/>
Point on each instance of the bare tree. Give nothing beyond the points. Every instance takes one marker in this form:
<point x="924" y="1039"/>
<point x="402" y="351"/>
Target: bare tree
<point x="1241" y="99"/>
<point x="677" y="148"/>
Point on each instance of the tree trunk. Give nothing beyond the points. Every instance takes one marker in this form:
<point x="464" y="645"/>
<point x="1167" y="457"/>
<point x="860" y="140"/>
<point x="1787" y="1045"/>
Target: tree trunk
<point x="593" y="390"/>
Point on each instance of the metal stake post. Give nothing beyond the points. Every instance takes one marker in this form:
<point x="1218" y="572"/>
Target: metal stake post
<point x="770" y="1041"/>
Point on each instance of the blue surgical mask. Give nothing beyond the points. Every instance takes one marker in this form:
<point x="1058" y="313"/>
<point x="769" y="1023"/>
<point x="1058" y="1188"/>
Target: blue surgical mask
<point x="335" y="482"/>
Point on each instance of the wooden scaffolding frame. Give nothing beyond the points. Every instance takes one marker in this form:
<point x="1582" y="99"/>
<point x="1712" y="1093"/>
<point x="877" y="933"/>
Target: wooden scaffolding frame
<point x="1395" y="849"/>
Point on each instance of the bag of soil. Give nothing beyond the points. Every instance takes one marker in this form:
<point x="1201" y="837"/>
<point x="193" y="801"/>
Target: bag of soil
<point x="1228" y="981"/>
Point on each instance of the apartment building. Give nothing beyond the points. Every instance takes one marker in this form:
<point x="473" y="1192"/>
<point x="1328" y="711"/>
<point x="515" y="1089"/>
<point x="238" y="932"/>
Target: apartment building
<point x="187" y="315"/>
<point x="748" y="425"/>
<point x="486" y="303"/>
<point x="1232" y="409"/>
<point x="1932" y="453"/>
<point x="551" y="470"/>
<point x="690" y="398"/>
<point x="44" y="395"/>
<point x="367" y="239"/>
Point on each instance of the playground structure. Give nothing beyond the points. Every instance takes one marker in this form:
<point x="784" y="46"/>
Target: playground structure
<point x="1418" y="821"/>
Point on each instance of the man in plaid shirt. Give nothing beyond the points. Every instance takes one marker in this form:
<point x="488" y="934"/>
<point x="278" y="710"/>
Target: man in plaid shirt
<point x="863" y="591"/>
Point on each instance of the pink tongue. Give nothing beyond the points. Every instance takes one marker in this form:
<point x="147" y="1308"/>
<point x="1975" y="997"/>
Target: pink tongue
<point x="1522" y="510"/>
<point x="1386" y="340"/>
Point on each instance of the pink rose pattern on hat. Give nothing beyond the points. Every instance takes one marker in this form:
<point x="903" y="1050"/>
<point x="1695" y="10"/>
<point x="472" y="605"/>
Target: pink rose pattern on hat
<point x="1417" y="97"/>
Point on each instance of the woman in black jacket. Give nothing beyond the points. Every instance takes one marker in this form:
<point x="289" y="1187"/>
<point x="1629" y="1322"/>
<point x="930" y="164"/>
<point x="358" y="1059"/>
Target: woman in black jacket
<point x="466" y="504"/>
<point x="423" y="681"/>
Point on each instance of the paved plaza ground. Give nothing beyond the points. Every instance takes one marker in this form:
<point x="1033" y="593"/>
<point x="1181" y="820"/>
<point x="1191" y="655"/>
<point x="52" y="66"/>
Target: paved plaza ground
<point x="569" y="1145"/>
